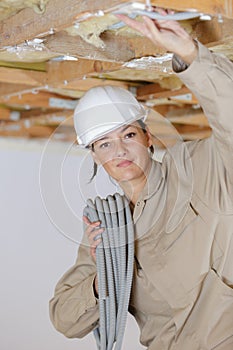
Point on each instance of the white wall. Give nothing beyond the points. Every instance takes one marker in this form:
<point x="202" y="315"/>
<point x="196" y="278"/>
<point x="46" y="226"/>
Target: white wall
<point x="42" y="194"/>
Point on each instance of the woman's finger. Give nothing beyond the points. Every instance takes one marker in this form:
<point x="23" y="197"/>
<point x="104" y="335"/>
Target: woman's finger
<point x="93" y="245"/>
<point x="88" y="222"/>
<point x="95" y="235"/>
<point x="131" y="23"/>
<point x="162" y="11"/>
<point x="90" y="225"/>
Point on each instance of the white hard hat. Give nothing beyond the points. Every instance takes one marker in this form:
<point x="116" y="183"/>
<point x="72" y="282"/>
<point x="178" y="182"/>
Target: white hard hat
<point x="103" y="109"/>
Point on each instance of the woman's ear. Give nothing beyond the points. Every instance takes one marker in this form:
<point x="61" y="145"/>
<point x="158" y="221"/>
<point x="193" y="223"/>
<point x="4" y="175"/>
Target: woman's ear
<point x="149" y="137"/>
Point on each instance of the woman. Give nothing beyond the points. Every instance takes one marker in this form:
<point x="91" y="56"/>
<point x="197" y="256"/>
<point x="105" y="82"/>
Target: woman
<point x="182" y="296"/>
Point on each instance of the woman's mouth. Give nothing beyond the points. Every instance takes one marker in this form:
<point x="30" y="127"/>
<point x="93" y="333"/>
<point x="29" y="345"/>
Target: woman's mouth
<point x="124" y="163"/>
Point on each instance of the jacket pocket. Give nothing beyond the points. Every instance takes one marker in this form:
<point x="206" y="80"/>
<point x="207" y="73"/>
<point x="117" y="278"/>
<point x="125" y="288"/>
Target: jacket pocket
<point x="210" y="323"/>
<point x="178" y="231"/>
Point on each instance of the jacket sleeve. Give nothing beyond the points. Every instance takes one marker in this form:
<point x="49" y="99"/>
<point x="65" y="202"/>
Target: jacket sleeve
<point x="74" y="308"/>
<point x="210" y="78"/>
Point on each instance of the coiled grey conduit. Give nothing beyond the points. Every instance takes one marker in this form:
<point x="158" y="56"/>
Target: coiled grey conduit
<point x="114" y="260"/>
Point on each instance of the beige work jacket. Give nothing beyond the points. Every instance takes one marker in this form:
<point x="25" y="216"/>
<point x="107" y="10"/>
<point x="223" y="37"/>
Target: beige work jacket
<point x="182" y="296"/>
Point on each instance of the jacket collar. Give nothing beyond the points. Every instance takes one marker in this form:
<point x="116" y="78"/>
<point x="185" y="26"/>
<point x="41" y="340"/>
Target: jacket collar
<point x="154" y="180"/>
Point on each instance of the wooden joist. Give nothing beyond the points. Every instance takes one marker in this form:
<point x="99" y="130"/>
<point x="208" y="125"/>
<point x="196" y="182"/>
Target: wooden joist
<point x="21" y="76"/>
<point x="215" y="7"/>
<point x="151" y="91"/>
<point x="188" y="117"/>
<point x="27" y="25"/>
<point x="59" y="14"/>
<point x="7" y="89"/>
<point x="68" y="75"/>
<point x="4" y="114"/>
<point x="65" y="71"/>
<point x="86" y="83"/>
<point x="187" y="133"/>
<point x="116" y="49"/>
<point x="43" y="99"/>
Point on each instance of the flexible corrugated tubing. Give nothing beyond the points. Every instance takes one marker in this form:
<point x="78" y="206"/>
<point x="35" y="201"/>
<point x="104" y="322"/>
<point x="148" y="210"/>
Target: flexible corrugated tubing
<point x="114" y="261"/>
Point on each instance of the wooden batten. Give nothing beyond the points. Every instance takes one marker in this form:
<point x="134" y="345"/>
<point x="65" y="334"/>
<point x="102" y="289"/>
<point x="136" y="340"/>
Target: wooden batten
<point x="40" y="96"/>
<point x="59" y="14"/>
<point x="215" y="7"/>
<point x="5" y="114"/>
<point x="66" y="71"/>
<point x="86" y="83"/>
<point x="21" y="76"/>
<point x="42" y="100"/>
<point x="152" y="91"/>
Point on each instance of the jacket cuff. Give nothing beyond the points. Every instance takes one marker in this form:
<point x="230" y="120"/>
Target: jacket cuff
<point x="90" y="295"/>
<point x="196" y="71"/>
<point x="178" y="65"/>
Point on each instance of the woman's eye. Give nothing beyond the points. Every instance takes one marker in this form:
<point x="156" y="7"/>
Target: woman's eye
<point x="130" y="135"/>
<point x="104" y="145"/>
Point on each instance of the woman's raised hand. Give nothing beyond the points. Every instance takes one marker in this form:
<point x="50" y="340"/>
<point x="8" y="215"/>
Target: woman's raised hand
<point x="165" y="34"/>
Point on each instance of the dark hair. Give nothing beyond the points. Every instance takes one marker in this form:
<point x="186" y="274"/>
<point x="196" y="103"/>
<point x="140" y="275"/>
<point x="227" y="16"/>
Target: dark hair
<point x="91" y="146"/>
<point x="95" y="168"/>
<point x="143" y="126"/>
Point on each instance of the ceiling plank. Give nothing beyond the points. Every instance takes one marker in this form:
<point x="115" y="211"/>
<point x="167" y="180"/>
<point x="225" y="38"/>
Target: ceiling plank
<point x="38" y="112"/>
<point x="155" y="90"/>
<point x="124" y="47"/>
<point x="59" y="74"/>
<point x="120" y="48"/>
<point x="37" y="66"/>
<point x="117" y="48"/>
<point x="8" y="89"/>
<point x="21" y="76"/>
<point x="188" y="117"/>
<point x="55" y="119"/>
<point x="65" y="71"/>
<point x="58" y="15"/>
<point x="188" y="98"/>
<point x="5" y="113"/>
<point x="42" y="99"/>
<point x="86" y="83"/>
<point x="215" y="7"/>
<point x="27" y="24"/>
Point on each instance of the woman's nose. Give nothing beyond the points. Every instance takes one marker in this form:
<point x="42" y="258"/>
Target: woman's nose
<point x="120" y="148"/>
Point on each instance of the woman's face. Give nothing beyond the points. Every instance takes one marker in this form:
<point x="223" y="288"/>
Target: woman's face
<point x="124" y="153"/>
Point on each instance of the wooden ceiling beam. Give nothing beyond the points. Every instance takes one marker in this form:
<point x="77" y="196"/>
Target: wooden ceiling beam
<point x="86" y="83"/>
<point x="65" y="71"/>
<point x="118" y="48"/>
<point x="123" y="48"/>
<point x="5" y="113"/>
<point x="38" y="112"/>
<point x="164" y="134"/>
<point x="27" y="24"/>
<point x="31" y="129"/>
<point x="9" y="88"/>
<point x="188" y="98"/>
<point x="42" y="100"/>
<point x="63" y="117"/>
<point x="59" y="74"/>
<point x="21" y="76"/>
<point x="58" y="15"/>
<point x="188" y="116"/>
<point x="152" y="91"/>
<point x="22" y="131"/>
<point x="214" y="7"/>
